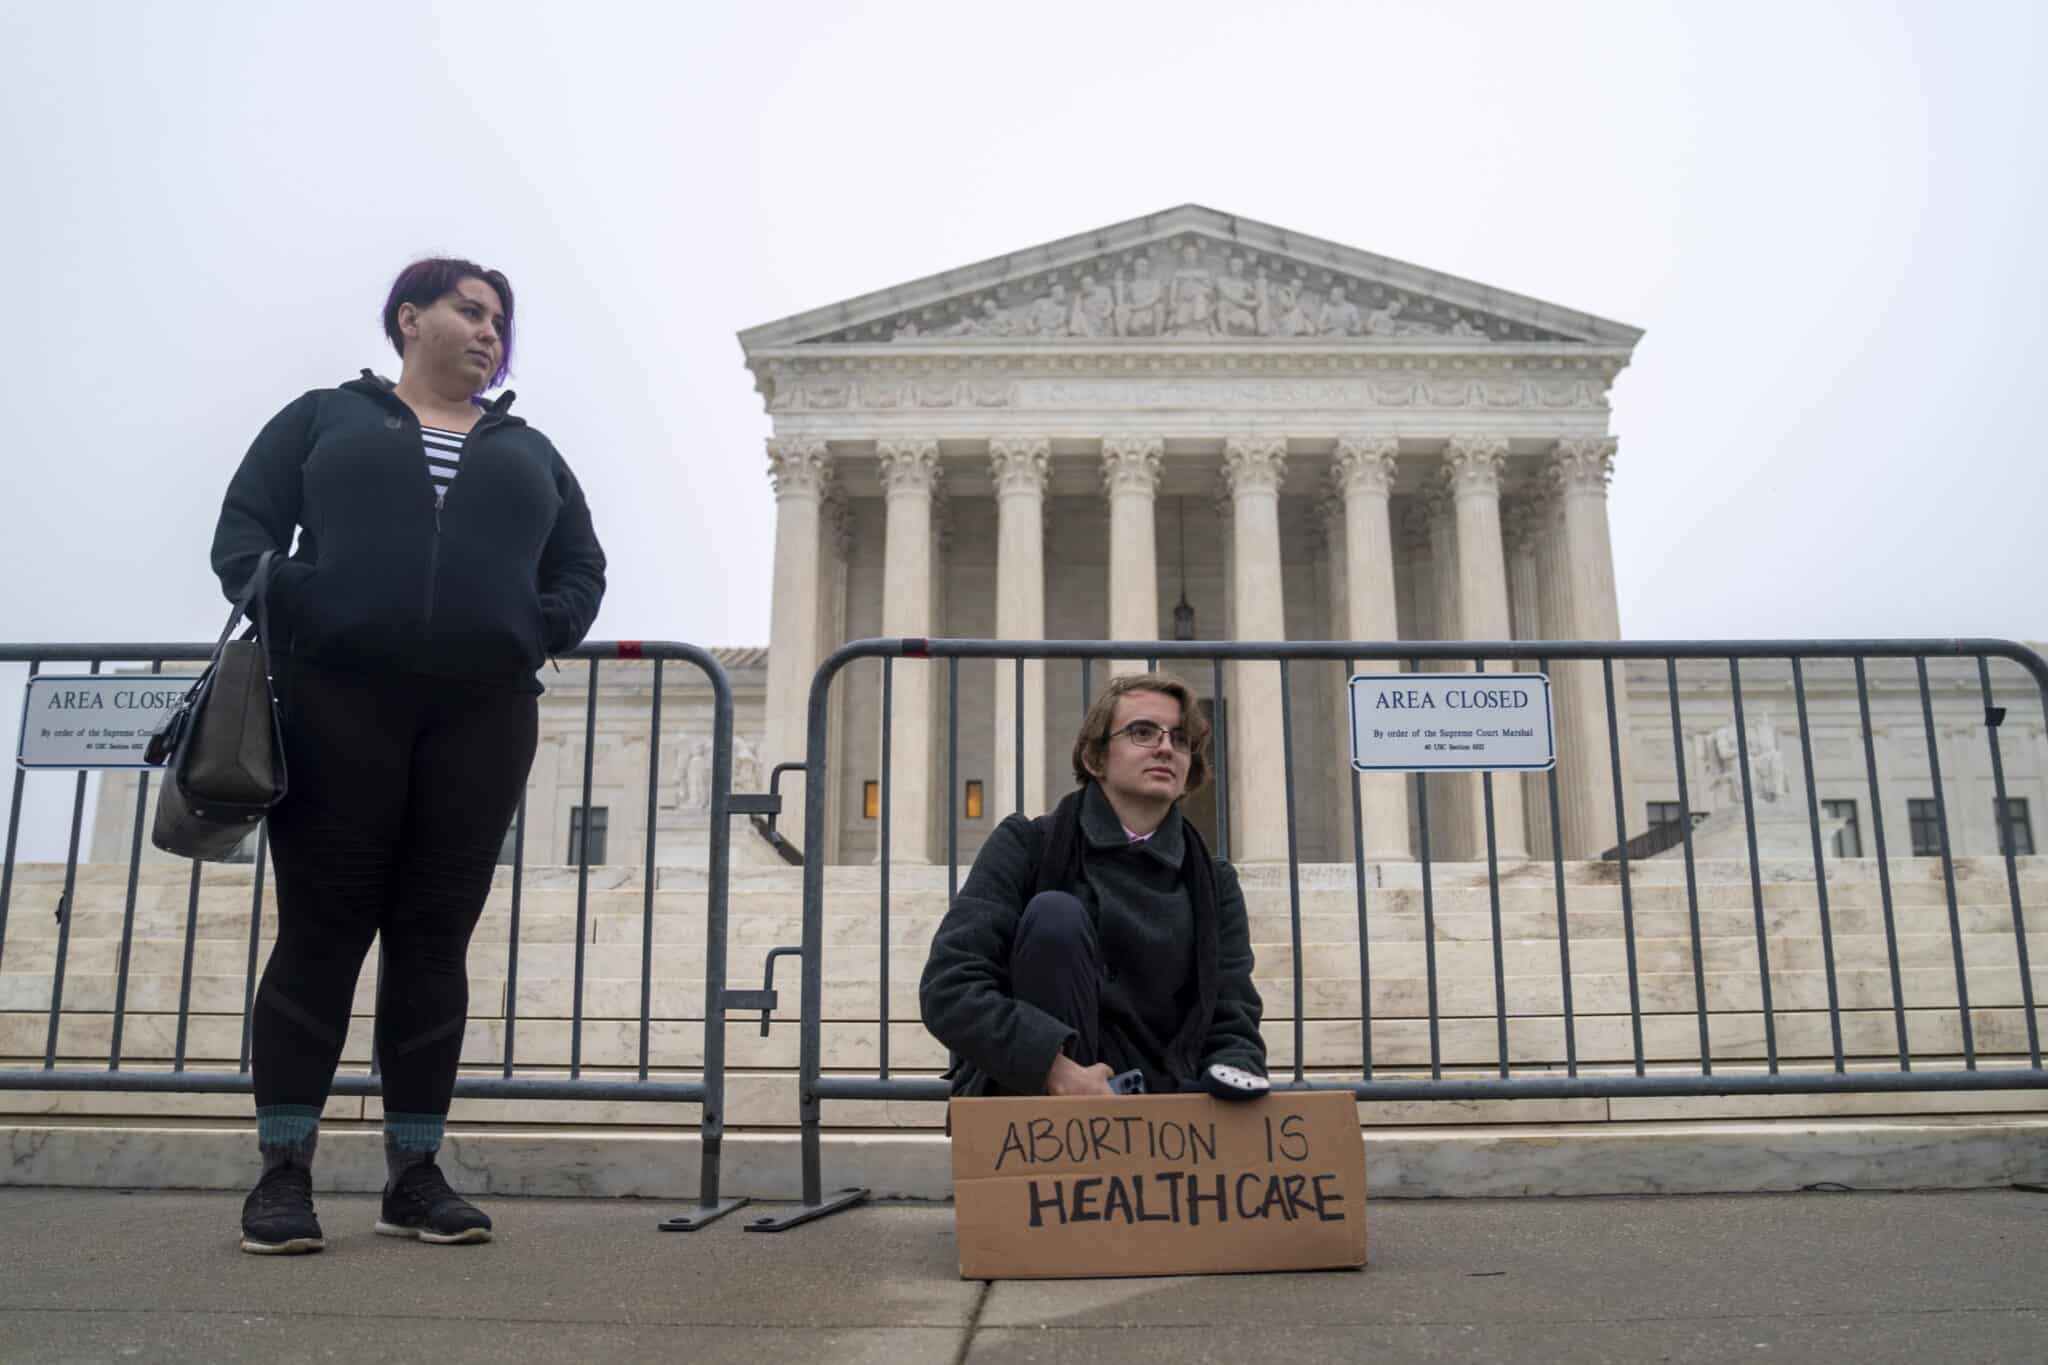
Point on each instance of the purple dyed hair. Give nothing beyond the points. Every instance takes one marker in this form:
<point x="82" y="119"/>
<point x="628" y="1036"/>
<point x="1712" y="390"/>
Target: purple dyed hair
<point x="422" y="284"/>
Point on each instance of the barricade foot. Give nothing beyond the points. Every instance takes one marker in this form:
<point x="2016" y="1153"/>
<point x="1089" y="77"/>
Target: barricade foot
<point x="703" y="1215"/>
<point x="805" y="1213"/>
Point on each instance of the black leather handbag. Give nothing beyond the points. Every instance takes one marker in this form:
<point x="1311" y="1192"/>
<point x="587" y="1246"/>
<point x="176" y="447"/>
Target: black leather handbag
<point x="222" y="747"/>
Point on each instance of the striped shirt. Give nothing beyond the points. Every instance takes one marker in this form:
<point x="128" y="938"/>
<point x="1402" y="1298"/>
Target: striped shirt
<point x="444" y="456"/>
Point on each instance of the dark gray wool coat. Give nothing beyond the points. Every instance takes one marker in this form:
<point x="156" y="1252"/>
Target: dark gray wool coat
<point x="1159" y="961"/>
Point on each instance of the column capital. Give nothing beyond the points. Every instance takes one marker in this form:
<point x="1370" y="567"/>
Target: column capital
<point x="1326" y="521"/>
<point x="1473" y="465"/>
<point x="1365" y="464"/>
<point x="1583" y="464"/>
<point x="1254" y="464"/>
<point x="1020" y="464"/>
<point x="1130" y="464"/>
<point x="1439" y="508"/>
<point x="908" y="466"/>
<point x="798" y="467"/>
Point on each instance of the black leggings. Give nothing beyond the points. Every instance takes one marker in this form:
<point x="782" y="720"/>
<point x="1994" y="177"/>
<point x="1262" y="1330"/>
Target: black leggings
<point x="402" y="788"/>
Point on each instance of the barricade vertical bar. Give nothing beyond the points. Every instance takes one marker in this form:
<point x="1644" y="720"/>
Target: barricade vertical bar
<point x="1756" y="884"/>
<point x="583" y="874"/>
<point x="812" y="1007"/>
<point x="1564" y="931"/>
<point x="13" y="831"/>
<point x="185" y="971"/>
<point x="256" y="935"/>
<point x="1948" y="868"/>
<point x="1222" y="766"/>
<point x="1692" y="888"/>
<point x="888" y="718"/>
<point x="1152" y="663"/>
<point x="1293" y="860"/>
<point x="1500" y="980"/>
<point x="1992" y="718"/>
<point x="1436" y="1055"/>
<point x="710" y="1204"/>
<point x="1884" y="873"/>
<point x="952" y="785"/>
<point x="128" y="909"/>
<point x="1364" y="928"/>
<point x="647" y="879"/>
<point x="66" y="909"/>
<point x="1628" y="905"/>
<point x="512" y="932"/>
<point x="1019" y="764"/>
<point x="1820" y="873"/>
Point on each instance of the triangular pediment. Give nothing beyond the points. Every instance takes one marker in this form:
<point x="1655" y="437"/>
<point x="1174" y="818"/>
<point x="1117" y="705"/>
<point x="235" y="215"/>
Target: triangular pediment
<point x="1189" y="275"/>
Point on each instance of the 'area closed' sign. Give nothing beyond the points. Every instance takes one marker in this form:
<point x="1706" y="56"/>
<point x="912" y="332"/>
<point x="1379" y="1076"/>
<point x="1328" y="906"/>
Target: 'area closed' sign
<point x="1436" y="722"/>
<point x="1157" y="1185"/>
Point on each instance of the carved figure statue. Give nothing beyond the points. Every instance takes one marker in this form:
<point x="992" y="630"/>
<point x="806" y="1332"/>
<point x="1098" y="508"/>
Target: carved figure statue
<point x="1140" y="306"/>
<point x="1094" y="310"/>
<point x="1721" y="756"/>
<point x="1048" y="316"/>
<point x="1191" y="297"/>
<point x="992" y="322"/>
<point x="1297" y="312"/>
<point x="1461" y="327"/>
<point x="1241" y="303"/>
<point x="906" y="330"/>
<point x="1380" y="321"/>
<point x="697" y="775"/>
<point x="1340" y="317"/>
<point x="1267" y="318"/>
<point x="746" y="766"/>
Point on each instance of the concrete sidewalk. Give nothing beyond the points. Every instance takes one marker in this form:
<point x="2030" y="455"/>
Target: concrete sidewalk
<point x="92" y="1275"/>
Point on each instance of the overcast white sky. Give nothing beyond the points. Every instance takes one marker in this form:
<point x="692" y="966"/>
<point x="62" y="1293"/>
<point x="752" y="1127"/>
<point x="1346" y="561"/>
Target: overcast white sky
<point x="1828" y="217"/>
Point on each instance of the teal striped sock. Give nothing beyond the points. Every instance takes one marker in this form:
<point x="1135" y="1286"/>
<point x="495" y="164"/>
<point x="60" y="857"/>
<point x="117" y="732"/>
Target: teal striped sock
<point x="287" y="1133"/>
<point x="410" y="1139"/>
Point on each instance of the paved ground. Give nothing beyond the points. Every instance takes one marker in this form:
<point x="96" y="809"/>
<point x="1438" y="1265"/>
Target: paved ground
<point x="110" y="1276"/>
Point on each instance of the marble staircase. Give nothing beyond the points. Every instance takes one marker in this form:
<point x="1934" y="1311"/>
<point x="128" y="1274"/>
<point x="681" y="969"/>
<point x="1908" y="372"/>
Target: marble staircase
<point x="528" y="991"/>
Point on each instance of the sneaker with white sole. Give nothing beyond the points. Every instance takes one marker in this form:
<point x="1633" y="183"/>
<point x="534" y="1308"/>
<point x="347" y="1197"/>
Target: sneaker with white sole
<point x="420" y="1204"/>
<point x="277" y="1217"/>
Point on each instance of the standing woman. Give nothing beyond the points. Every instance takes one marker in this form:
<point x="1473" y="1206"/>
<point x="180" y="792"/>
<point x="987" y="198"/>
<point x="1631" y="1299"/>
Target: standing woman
<point x="444" y="553"/>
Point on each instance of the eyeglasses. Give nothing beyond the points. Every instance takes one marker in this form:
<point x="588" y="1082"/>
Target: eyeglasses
<point x="1146" y="734"/>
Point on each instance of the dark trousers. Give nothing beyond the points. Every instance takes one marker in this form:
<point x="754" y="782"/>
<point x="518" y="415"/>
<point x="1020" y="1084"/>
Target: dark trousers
<point x="1056" y="964"/>
<point x="401" y="790"/>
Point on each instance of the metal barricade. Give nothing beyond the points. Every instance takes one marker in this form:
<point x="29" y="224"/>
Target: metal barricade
<point x="515" y="1078"/>
<point x="1630" y="1069"/>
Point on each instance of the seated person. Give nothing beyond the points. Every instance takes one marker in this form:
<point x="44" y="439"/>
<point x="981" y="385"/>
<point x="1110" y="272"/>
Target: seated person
<point x="1102" y="938"/>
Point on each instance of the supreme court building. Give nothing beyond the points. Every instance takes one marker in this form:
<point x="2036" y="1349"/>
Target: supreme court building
<point x="1198" y="425"/>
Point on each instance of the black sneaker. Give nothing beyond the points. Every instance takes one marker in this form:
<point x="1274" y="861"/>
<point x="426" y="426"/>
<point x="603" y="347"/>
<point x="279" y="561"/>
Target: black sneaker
<point x="277" y="1217"/>
<point x="421" y="1205"/>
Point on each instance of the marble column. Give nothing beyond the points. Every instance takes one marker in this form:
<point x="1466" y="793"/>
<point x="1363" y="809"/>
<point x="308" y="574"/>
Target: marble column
<point x="1522" y="526"/>
<point x="1365" y="474"/>
<point x="1252" y="469"/>
<point x="1473" y="466"/>
<point x="1579" y="472"/>
<point x="1130" y="478"/>
<point x="1019" y="467"/>
<point x="800" y="470"/>
<point x="1333" y="754"/>
<point x="1450" y="799"/>
<point x="909" y="469"/>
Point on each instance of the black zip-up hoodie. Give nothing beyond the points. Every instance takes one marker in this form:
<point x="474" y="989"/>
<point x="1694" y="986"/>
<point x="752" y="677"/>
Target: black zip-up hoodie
<point x="483" y="584"/>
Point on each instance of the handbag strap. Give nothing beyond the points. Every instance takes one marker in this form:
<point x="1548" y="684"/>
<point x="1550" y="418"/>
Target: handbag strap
<point x="255" y="604"/>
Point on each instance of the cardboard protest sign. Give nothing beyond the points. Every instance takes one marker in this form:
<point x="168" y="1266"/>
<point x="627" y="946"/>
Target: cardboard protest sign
<point x="1049" y="1188"/>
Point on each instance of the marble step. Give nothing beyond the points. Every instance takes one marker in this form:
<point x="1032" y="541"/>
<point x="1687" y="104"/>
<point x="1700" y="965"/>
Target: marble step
<point x="1419" y="1161"/>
